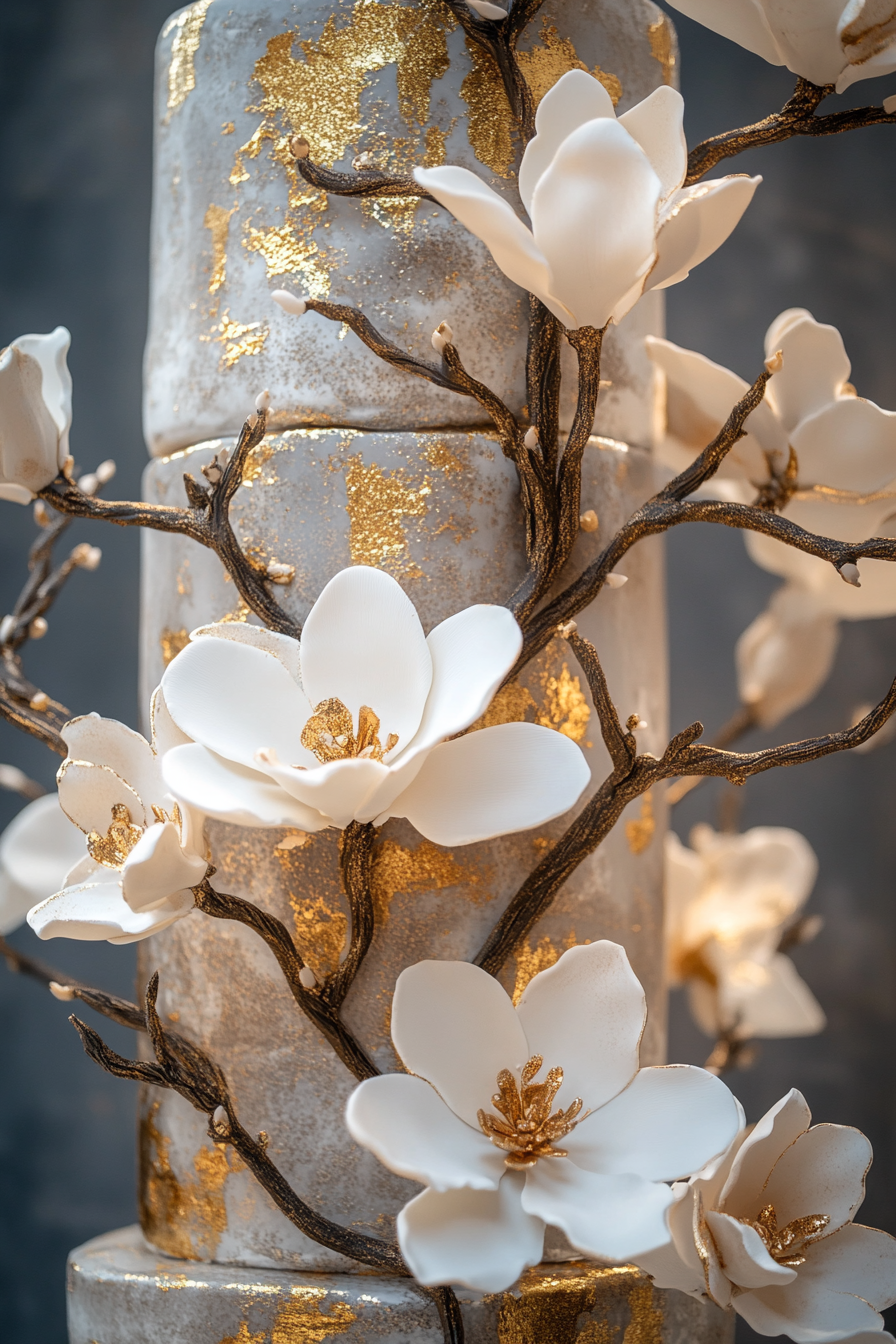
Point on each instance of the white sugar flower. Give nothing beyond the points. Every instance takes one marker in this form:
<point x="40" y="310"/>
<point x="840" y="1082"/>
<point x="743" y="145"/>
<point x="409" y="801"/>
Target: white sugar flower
<point x="729" y="899"/>
<point x="37" y="849"/>
<point x="143" y="852"/>
<point x="610" y="218"/>
<point x="769" y="1231"/>
<point x="35" y="413"/>
<point x="576" y="1136"/>
<point x="825" y="41"/>
<point x="352" y="722"/>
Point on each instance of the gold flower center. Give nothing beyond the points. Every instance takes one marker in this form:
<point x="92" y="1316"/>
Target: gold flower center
<point x="529" y="1130"/>
<point x="786" y="1244"/>
<point x="330" y="734"/>
<point x="112" y="849"/>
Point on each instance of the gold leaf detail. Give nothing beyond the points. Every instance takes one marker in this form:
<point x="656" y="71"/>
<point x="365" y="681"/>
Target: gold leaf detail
<point x="309" y="1319"/>
<point x="217" y="221"/>
<point x="639" y="831"/>
<point x="243" y="1336"/>
<point x="424" y="869"/>
<point x="329" y="734"/>
<point x="661" y="36"/>
<point x="182" y="69"/>
<point x="320" y="933"/>
<point x="238" y="339"/>
<point x="511" y="704"/>
<point x="565" y="706"/>
<point x="377" y="504"/>
<point x="183" y="1217"/>
<point x="530" y="960"/>
<point x="544" y="65"/>
<point x="171" y="642"/>
<point x="113" y="848"/>
<point x="528" y="1130"/>
<point x="488" y="114"/>
<point x="785" y="1245"/>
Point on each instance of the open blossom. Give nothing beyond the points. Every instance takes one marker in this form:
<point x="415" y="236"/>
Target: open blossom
<point x="729" y="899"/>
<point x="610" y="218"/>
<point x="35" y="413"/>
<point x="825" y="41"/>
<point x="769" y="1231"/>
<point x="352" y="722"/>
<point x="37" y="849"/>
<point x="143" y="851"/>
<point x="575" y="1137"/>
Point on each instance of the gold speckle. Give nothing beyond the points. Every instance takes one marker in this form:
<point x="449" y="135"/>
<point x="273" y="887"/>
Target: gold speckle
<point x="227" y="128"/>
<point x="172" y="641"/>
<point x="243" y="1337"/>
<point x="238" y="339"/>
<point x="181" y="70"/>
<point x="646" y="1324"/>
<point x="290" y="249"/>
<point x="565" y="707"/>
<point x="440" y="456"/>
<point x="320" y="932"/>
<point x="544" y="65"/>
<point x="217" y="221"/>
<point x="256" y="462"/>
<point x="426" y="868"/>
<point x="511" y="704"/>
<point x="661" y="37"/>
<point x="308" y="1318"/>
<point x="530" y="960"/>
<point x="241" y="613"/>
<point x="488" y="115"/>
<point x="376" y="506"/>
<point x="639" y="831"/>
<point x="184" y="1218"/>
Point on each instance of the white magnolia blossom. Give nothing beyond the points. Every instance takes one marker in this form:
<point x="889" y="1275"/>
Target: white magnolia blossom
<point x="582" y="1140"/>
<point x="845" y="449"/>
<point x="825" y="41"/>
<point x="352" y="722"/>
<point x="37" y="849"/>
<point x="769" y="1231"/>
<point x="35" y="413"/>
<point x="610" y="218"/>
<point x="728" y="901"/>
<point x="143" y="851"/>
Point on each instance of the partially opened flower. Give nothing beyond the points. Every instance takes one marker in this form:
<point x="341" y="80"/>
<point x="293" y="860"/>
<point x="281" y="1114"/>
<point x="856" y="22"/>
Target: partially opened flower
<point x="576" y="1136"/>
<point x="769" y="1231"/>
<point x="358" y="721"/>
<point x="143" y="851"/>
<point x="35" y="413"/>
<point x="610" y="218"/>
<point x="729" y="900"/>
<point x="825" y="41"/>
<point x="784" y="657"/>
<point x="37" y="849"/>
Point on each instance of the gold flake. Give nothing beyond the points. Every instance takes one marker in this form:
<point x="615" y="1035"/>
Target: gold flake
<point x="256" y="462"/>
<point x="217" y="221"/>
<point x="289" y="249"/>
<point x="488" y="115"/>
<point x="785" y="1245"/>
<point x="376" y="506"/>
<point x="184" y="46"/>
<point x="238" y="339"/>
<point x="528" y="1130"/>
<point x="565" y="707"/>
<point x="112" y="849"/>
<point x="440" y="456"/>
<point x="329" y="734"/>
<point x="309" y="1319"/>
<point x="661" y="37"/>
<point x="184" y="1218"/>
<point x="424" y="869"/>
<point x="243" y="1337"/>
<point x="511" y="704"/>
<point x="639" y="831"/>
<point x="530" y="960"/>
<point x="241" y="613"/>
<point x="320" y="933"/>
<point x="547" y="1308"/>
<point x="172" y="642"/>
<point x="544" y="65"/>
<point x="646" y="1324"/>
<point x="227" y="128"/>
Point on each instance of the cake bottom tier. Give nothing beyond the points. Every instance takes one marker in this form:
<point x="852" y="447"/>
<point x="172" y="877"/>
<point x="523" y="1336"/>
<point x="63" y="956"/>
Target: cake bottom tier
<point x="120" y="1291"/>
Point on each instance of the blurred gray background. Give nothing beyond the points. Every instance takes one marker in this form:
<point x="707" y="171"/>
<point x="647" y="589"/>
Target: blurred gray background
<point x="75" y="157"/>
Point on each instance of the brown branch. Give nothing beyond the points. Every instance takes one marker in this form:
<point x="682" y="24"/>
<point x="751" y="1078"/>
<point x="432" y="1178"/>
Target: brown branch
<point x="499" y="38"/>
<point x="366" y="183"/>
<point x="619" y="742"/>
<point x="741" y="721"/>
<point x="355" y="860"/>
<point x="797" y="117"/>
<point x="543" y="379"/>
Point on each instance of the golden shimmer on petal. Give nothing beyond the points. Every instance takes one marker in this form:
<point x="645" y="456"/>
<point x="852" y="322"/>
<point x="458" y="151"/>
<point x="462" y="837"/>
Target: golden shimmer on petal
<point x="639" y="831"/>
<point x="547" y="1308"/>
<point x="309" y="1319"/>
<point x="661" y="36"/>
<point x="184" y="46"/>
<point x="182" y="1217"/>
<point x="530" y="960"/>
<point x="565" y="707"/>
<point x="545" y="64"/>
<point x="172" y="641"/>
<point x="217" y="221"/>
<point x="426" y="868"/>
<point x="377" y="504"/>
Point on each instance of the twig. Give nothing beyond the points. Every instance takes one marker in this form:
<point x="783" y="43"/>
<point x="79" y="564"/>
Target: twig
<point x="355" y="861"/>
<point x="499" y="38"/>
<point x="366" y="183"/>
<point x="797" y="117"/>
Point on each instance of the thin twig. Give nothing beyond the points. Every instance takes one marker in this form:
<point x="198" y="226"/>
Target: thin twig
<point x="366" y="183"/>
<point x="741" y="721"/>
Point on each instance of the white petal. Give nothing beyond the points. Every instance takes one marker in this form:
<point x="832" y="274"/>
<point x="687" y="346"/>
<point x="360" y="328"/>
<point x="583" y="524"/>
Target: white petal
<point x="850" y="444"/>
<point x="15" y="494"/>
<point x="269" y="641"/>
<point x="237" y="700"/>
<point x="742" y="21"/>
<point x="15" y="902"/>
<point x="404" y="1122"/>
<point x="87" y="794"/>
<point x="110" y="743"/>
<point x="782" y="1005"/>
<point x="682" y="883"/>
<point x="478" y="1238"/>
<point x="668" y="1123"/>
<point x="29" y="438"/>
<point x="38" y="848"/>
<point x="489" y="217"/>
<point x="165" y="732"/>
<point x="859" y="1260"/>
<point x="785" y="656"/>
<point x="823" y="1171"/>
<point x="56" y="386"/>
<point x="667" y="1269"/>
<point x="695" y="222"/>
<point x="770" y="1137"/>
<point x="806" y="35"/>
<point x="657" y="125"/>
<point x="97" y="910"/>
<point x="613" y="1217"/>
<point x="815" y="368"/>
<point x="493" y="782"/>
<point x="808" y="1312"/>
<point x="577" y="97"/>
<point x="157" y="868"/>
<point x="230" y="792"/>
<point x="340" y="790"/>
<point x="586" y="1014"/>
<point x="743" y="1254"/>
<point x="454" y="1025"/>
<point x="364" y="645"/>
<point x="593" y="216"/>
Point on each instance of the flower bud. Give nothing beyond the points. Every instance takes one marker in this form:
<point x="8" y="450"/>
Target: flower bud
<point x="39" y="701"/>
<point x="88" y="484"/>
<point x="849" y="573"/>
<point x="890" y="104"/>
<point x="35" y="413"/>
<point x="41" y="514"/>
<point x="307" y="977"/>
<point x="290" y="303"/>
<point x="362" y="162"/>
<point x="775" y="363"/>
<point x="86" y="556"/>
<point x="566" y="629"/>
<point x="442" y="336"/>
<point x="486" y="10"/>
<point x="616" y="580"/>
<point x="299" y="147"/>
<point x="64" y="993"/>
<point x="38" y="628"/>
<point x="279" y="573"/>
<point x="105" y="471"/>
<point x="263" y="402"/>
<point x="7" y="629"/>
<point x="588" y="521"/>
<point x="14" y="779"/>
<point x="531" y="438"/>
<point x="220" y="1119"/>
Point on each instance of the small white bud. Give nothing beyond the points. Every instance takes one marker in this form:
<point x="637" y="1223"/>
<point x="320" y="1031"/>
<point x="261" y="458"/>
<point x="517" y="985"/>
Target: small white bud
<point x="566" y="629"/>
<point x="68" y="467"/>
<point x="41" y="514"/>
<point x="39" y="702"/>
<point x="890" y="103"/>
<point x="588" y="521"/>
<point x="361" y="162"/>
<point x="299" y="147"/>
<point x="14" y="779"/>
<point x="64" y="993"/>
<point x="849" y="573"/>
<point x="307" y="977"/>
<point x="775" y="363"/>
<point x="263" y="402"/>
<point x="220" y="1119"/>
<point x="616" y="580"/>
<point x="278" y="573"/>
<point x="442" y="336"/>
<point x="105" y="471"/>
<point x="88" y="484"/>
<point x="531" y="438"/>
<point x="486" y="10"/>
<point x="7" y="629"/>
<point x="38" y="628"/>
<point x="290" y="303"/>
<point x="86" y="556"/>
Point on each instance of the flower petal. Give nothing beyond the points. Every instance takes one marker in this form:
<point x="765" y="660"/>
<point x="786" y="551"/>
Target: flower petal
<point x="695" y="222"/>
<point x="107" y="742"/>
<point x="157" y="868"/>
<point x="593" y="216"/>
<point x="577" y="97"/>
<point x="406" y="1124"/>
<point x="165" y="732"/>
<point x="743" y="1253"/>
<point x="269" y="641"/>
<point x="230" y="792"/>
<point x="668" y="1123"/>
<point x="87" y="794"/>
<point x="38" y="848"/>
<point x="779" y="1004"/>
<point x="51" y="353"/>
<point x="815" y="368"/>
<point x="364" y="645"/>
<point x="850" y="445"/>
<point x="667" y="1269"/>
<point x="97" y="910"/>
<point x="770" y="1137"/>
<point x="479" y="1238"/>
<point x="489" y="217"/>
<point x="808" y="1311"/>
<point x="785" y="656"/>
<point x="823" y="1171"/>
<point x="586" y="1014"/>
<point x="454" y="1025"/>
<point x="613" y="1217"/>
<point x="493" y="782"/>
<point x="340" y="790"/>
<point x="237" y="700"/>
<point x="859" y="1260"/>
<point x="741" y="21"/>
<point x="806" y="34"/>
<point x="657" y="124"/>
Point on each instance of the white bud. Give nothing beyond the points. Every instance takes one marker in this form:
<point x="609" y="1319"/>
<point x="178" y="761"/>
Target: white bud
<point x="442" y="336"/>
<point x="290" y="303"/>
<point x="775" y="362"/>
<point x="588" y="521"/>
<point x="307" y="977"/>
<point x="7" y="629"/>
<point x="616" y="580"/>
<point x="299" y="147"/>
<point x="105" y="471"/>
<point x="263" y="402"/>
<point x="39" y="701"/>
<point x="361" y="162"/>
<point x="486" y="10"/>
<point x="890" y="104"/>
<point x="566" y="629"/>
<point x="86" y="556"/>
<point x="35" y="413"/>
<point x="38" y="628"/>
<point x="278" y="573"/>
<point x="849" y="573"/>
<point x="41" y="514"/>
<point x="220" y="1119"/>
<point x="87" y="484"/>
<point x="531" y="438"/>
<point x="64" y="993"/>
<point x="14" y="779"/>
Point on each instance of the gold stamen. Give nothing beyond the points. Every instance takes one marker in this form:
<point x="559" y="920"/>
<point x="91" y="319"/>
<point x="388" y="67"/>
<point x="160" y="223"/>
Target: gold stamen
<point x="330" y="736"/>
<point x="113" y="848"/>
<point x="529" y="1130"/>
<point x="785" y="1245"/>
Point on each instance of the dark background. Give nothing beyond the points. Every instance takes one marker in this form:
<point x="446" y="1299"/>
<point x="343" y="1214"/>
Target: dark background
<point x="75" y="163"/>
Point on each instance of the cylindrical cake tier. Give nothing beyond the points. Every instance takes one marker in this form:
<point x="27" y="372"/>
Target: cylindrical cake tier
<point x="441" y="512"/>
<point x="233" y="219"/>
